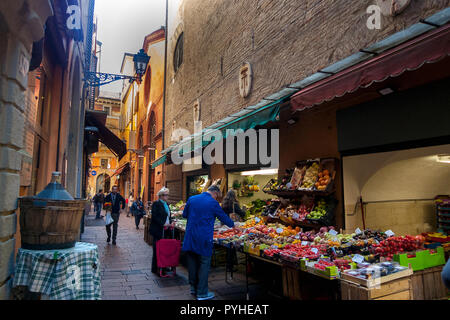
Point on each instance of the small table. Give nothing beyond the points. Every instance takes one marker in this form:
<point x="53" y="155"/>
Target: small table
<point x="67" y="274"/>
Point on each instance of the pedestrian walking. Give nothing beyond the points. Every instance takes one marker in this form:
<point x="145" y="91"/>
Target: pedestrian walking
<point x="161" y="217"/>
<point x="99" y="199"/>
<point x="117" y="203"/>
<point x="130" y="201"/>
<point x="138" y="211"/>
<point x="201" y="212"/>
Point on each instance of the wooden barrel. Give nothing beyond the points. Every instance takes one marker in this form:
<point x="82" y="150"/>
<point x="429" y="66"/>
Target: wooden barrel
<point x="50" y="224"/>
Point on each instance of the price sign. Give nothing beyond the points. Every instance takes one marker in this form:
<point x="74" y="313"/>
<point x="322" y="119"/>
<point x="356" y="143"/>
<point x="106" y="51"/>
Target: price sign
<point x="358" y="258"/>
<point x="257" y="220"/>
<point x="305" y="243"/>
<point x="295" y="216"/>
<point x="389" y="233"/>
<point x="279" y="230"/>
<point x="358" y="231"/>
<point x="274" y="247"/>
<point x="297" y="237"/>
<point x="315" y="250"/>
<point x="332" y="232"/>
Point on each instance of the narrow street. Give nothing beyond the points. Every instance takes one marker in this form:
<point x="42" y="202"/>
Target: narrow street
<point x="125" y="268"/>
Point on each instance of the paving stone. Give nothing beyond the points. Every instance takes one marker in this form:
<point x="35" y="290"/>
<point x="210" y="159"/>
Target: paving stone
<point x="147" y="297"/>
<point x="126" y="270"/>
<point x="136" y="292"/>
<point x="131" y="272"/>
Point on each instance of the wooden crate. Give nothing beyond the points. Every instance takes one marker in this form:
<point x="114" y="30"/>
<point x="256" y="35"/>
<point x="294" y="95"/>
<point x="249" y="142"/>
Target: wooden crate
<point x="428" y="285"/>
<point x="291" y="285"/>
<point x="399" y="289"/>
<point x="370" y="283"/>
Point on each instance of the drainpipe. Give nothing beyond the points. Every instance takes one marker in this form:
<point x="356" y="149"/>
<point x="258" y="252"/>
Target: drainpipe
<point x="165" y="76"/>
<point x="59" y="123"/>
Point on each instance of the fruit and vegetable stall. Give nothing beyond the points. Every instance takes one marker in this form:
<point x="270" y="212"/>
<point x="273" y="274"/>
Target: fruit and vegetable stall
<point x="295" y="231"/>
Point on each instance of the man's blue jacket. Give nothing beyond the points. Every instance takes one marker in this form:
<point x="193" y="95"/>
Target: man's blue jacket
<point x="201" y="212"/>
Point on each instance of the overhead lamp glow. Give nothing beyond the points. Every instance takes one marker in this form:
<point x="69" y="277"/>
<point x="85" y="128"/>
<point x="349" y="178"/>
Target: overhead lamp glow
<point x="443" y="158"/>
<point x="264" y="172"/>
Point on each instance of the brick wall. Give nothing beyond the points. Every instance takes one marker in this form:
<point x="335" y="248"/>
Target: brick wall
<point x="285" y="41"/>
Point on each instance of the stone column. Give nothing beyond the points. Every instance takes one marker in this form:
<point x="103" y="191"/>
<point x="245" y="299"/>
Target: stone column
<point x="21" y="23"/>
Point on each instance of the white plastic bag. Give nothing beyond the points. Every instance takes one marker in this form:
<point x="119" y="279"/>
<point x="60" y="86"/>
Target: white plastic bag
<point x="108" y="219"/>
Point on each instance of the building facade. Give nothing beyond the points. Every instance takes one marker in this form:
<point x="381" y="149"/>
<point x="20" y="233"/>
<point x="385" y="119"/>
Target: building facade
<point x="214" y="49"/>
<point x="104" y="163"/>
<point x="42" y="108"/>
<point x="141" y="122"/>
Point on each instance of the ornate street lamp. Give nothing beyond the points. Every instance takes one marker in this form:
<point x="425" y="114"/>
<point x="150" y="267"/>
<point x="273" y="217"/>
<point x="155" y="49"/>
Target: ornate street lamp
<point x="97" y="79"/>
<point x="141" y="60"/>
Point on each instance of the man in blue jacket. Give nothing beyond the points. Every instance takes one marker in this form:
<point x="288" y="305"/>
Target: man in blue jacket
<point x="201" y="212"/>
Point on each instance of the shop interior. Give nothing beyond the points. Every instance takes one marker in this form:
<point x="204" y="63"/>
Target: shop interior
<point x="248" y="185"/>
<point x="397" y="189"/>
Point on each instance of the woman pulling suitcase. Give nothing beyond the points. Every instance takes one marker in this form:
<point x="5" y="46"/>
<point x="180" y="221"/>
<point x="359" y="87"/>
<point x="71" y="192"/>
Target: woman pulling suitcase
<point x="161" y="218"/>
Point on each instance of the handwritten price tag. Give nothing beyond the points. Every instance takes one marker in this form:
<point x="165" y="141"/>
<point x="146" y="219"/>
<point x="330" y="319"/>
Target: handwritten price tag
<point x="295" y="216"/>
<point x="358" y="231"/>
<point x="358" y="258"/>
<point x="257" y="220"/>
<point x="332" y="232"/>
<point x="279" y="230"/>
<point x="315" y="250"/>
<point x="305" y="243"/>
<point x="389" y="233"/>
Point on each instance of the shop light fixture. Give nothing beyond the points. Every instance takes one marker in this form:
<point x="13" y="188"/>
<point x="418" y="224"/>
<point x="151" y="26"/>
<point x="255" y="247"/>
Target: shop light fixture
<point x="443" y="158"/>
<point x="265" y="172"/>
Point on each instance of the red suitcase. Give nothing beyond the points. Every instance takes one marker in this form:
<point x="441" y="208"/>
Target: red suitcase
<point x="168" y="254"/>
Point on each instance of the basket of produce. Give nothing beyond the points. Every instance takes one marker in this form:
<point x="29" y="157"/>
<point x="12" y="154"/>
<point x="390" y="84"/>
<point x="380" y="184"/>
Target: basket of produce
<point x="311" y="176"/>
<point x="323" y="212"/>
<point x="297" y="177"/>
<point x="271" y="185"/>
<point x="326" y="176"/>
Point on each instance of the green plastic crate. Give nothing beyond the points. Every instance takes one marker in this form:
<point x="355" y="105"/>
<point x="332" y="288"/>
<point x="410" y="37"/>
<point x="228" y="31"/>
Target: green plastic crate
<point x="417" y="263"/>
<point x="435" y="259"/>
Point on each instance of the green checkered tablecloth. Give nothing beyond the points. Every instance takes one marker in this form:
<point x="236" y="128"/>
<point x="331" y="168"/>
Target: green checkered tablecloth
<point x="69" y="274"/>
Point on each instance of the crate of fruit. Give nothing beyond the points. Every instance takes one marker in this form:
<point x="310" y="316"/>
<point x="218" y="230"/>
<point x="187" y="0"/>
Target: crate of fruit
<point x="376" y="274"/>
<point x="323" y="269"/>
<point x="422" y="259"/>
<point x="323" y="212"/>
<point x="311" y="175"/>
<point x="298" y="175"/>
<point x="326" y="176"/>
<point x="271" y="185"/>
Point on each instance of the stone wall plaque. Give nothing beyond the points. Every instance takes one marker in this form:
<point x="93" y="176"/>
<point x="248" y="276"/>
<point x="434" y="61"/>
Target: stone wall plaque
<point x="245" y="79"/>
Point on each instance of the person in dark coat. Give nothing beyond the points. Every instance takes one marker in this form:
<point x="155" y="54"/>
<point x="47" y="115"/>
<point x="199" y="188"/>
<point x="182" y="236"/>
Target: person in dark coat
<point x="99" y="199"/>
<point x="230" y="206"/>
<point x="161" y="217"/>
<point x="138" y="211"/>
<point x="117" y="203"/>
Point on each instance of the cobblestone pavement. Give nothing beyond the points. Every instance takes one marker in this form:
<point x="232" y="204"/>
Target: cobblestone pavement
<point x="125" y="268"/>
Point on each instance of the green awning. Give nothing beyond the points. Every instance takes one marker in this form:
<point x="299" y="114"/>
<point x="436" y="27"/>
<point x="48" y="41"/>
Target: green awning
<point x="246" y="119"/>
<point x="159" y="161"/>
